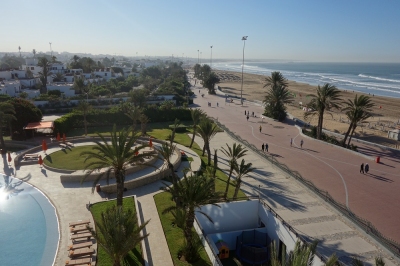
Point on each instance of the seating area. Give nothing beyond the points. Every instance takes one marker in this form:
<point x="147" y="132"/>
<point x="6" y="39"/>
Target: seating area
<point x="31" y="157"/>
<point x="80" y="251"/>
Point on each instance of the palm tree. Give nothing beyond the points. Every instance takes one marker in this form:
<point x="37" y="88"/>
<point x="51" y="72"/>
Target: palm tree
<point x="118" y="233"/>
<point x="79" y="83"/>
<point x="275" y="100"/>
<point x="276" y="79"/>
<point x="241" y="170"/>
<point x="75" y="58"/>
<point x="233" y="153"/>
<point x="85" y="108"/>
<point x="357" y="111"/>
<point x="209" y="82"/>
<point x="34" y="53"/>
<point x="379" y="261"/>
<point x="58" y="77"/>
<point x="165" y="151"/>
<point x="196" y="115"/>
<point x="115" y="155"/>
<point x="206" y="129"/>
<point x="144" y="119"/>
<point x="327" y="97"/>
<point x="7" y="113"/>
<point x="174" y="126"/>
<point x="131" y="111"/>
<point x="193" y="192"/>
<point x="44" y="63"/>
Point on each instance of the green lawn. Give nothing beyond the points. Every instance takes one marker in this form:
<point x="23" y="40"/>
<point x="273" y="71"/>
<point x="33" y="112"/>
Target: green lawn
<point x="69" y="159"/>
<point x="134" y="257"/>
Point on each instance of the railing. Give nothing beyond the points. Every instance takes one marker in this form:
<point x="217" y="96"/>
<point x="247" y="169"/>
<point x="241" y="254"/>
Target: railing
<point x="367" y="226"/>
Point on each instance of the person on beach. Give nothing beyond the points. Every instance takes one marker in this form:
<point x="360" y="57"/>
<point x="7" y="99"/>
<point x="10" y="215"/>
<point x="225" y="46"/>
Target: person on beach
<point x="366" y="168"/>
<point x="301" y="144"/>
<point x="217" y="104"/>
<point x="262" y="147"/>
<point x="291" y="142"/>
<point x="266" y="147"/>
<point x="247" y="117"/>
<point x="260" y="128"/>
<point x="362" y="168"/>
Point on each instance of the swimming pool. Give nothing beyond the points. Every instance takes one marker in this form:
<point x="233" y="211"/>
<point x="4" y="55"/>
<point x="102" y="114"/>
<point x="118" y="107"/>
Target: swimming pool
<point x="29" y="232"/>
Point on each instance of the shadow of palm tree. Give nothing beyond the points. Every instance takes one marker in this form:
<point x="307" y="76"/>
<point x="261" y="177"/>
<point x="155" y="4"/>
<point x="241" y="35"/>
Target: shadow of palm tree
<point x="10" y="185"/>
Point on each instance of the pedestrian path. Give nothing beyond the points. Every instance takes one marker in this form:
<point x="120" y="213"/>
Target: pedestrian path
<point x="307" y="213"/>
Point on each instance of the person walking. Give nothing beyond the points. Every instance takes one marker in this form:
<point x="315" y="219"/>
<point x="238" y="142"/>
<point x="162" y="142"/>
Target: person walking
<point x="291" y="142"/>
<point x="217" y="104"/>
<point x="260" y="128"/>
<point x="266" y="147"/>
<point x="362" y="168"/>
<point x="262" y="147"/>
<point x="366" y="168"/>
<point x="244" y="112"/>
<point x="247" y="117"/>
<point x="301" y="144"/>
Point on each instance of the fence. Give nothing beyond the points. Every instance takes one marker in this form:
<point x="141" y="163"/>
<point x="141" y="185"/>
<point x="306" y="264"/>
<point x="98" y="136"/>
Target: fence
<point x="367" y="226"/>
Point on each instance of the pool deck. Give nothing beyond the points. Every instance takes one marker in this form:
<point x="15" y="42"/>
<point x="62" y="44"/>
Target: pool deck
<point x="72" y="199"/>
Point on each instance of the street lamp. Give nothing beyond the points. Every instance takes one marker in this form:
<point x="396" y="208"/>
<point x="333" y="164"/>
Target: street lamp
<point x="201" y="54"/>
<point x="198" y="57"/>
<point x="244" y="38"/>
<point x="211" y="56"/>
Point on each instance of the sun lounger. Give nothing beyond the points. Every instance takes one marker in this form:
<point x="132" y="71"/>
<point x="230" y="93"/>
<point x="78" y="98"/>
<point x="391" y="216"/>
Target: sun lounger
<point x="81" y="252"/>
<point x="84" y="261"/>
<point x="63" y="146"/>
<point x="70" y="144"/>
<point x="72" y="224"/>
<point x="80" y="245"/>
<point x="84" y="235"/>
<point x="31" y="156"/>
<point x="79" y="229"/>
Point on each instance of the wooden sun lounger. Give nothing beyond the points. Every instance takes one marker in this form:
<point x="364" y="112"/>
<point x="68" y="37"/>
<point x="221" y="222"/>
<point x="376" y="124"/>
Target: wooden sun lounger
<point x="81" y="252"/>
<point x="72" y="224"/>
<point x="78" y="228"/>
<point x="84" y="235"/>
<point x="62" y="145"/>
<point x="82" y="231"/>
<point x="31" y="156"/>
<point x="80" y="245"/>
<point x="87" y="261"/>
<point x="70" y="144"/>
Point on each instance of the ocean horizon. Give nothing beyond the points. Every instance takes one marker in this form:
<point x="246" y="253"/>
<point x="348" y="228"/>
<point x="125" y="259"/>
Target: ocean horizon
<point x="382" y="79"/>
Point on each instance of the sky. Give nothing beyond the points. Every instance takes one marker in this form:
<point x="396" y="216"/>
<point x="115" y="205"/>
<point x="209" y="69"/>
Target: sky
<point x="305" y="30"/>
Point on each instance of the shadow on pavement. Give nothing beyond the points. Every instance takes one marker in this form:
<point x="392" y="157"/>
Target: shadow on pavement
<point x="380" y="178"/>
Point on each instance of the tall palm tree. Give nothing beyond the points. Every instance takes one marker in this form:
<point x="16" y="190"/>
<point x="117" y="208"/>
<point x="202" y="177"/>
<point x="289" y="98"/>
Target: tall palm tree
<point x="45" y="64"/>
<point x="118" y="233"/>
<point x="276" y="79"/>
<point x="144" y="119"/>
<point x="233" y="153"/>
<point x="196" y="115"/>
<point x="275" y="100"/>
<point x="85" y="108"/>
<point x="34" y="53"/>
<point x="193" y="192"/>
<point x="115" y="155"/>
<point x="357" y="111"/>
<point x="328" y="97"/>
<point x="131" y="111"/>
<point x="241" y="171"/>
<point x="206" y="129"/>
<point x="174" y="127"/>
<point x="166" y="151"/>
<point x="58" y="77"/>
<point x="79" y="83"/>
<point x="7" y="113"/>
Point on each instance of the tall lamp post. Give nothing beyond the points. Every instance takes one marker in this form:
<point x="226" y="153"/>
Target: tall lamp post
<point x="211" y="56"/>
<point x="198" y="57"/>
<point x="244" y="38"/>
<point x="201" y="54"/>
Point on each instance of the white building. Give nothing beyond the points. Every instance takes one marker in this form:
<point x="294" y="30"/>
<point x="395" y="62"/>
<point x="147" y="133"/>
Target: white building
<point x="65" y="88"/>
<point x="105" y="73"/>
<point x="58" y="68"/>
<point x="5" y="75"/>
<point x="28" y="82"/>
<point x="10" y="87"/>
<point x="32" y="93"/>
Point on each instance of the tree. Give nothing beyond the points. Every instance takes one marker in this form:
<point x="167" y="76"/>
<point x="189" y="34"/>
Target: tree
<point x="205" y="71"/>
<point x="357" y="111"/>
<point x="25" y="112"/>
<point x="206" y="129"/>
<point x="138" y="97"/>
<point x="196" y="115"/>
<point x="118" y="232"/>
<point x="379" y="261"/>
<point x="275" y="101"/>
<point x="193" y="192"/>
<point x="34" y="53"/>
<point x="45" y="64"/>
<point x="79" y="83"/>
<point x="132" y="112"/>
<point x="23" y="95"/>
<point x="58" y="77"/>
<point x="276" y="79"/>
<point x="210" y="81"/>
<point x="165" y="151"/>
<point x="233" y="153"/>
<point x="197" y="69"/>
<point x="85" y="108"/>
<point x="327" y="98"/>
<point x="144" y="119"/>
<point x="7" y="113"/>
<point x="241" y="171"/>
<point x="115" y="155"/>
<point x="174" y="126"/>
<point x="75" y="58"/>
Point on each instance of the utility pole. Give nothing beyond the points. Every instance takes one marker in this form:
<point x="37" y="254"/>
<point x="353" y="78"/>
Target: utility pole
<point x="51" y="51"/>
<point x="211" y="56"/>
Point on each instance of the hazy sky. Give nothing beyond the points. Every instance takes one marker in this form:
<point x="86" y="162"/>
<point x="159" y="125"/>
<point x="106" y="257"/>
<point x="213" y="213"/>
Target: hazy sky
<point x="318" y="30"/>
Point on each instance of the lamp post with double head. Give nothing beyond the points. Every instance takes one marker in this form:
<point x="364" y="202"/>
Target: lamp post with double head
<point x="244" y="38"/>
<point x="198" y="56"/>
<point x="211" y="56"/>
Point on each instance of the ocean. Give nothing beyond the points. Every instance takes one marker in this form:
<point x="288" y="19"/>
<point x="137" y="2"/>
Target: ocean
<point x="381" y="79"/>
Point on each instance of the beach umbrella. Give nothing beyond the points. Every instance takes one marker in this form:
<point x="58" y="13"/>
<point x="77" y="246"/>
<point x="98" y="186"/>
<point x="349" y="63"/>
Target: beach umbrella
<point x="40" y="161"/>
<point x="58" y="136"/>
<point x="136" y="153"/>
<point x="151" y="143"/>
<point x="44" y="146"/>
<point x="64" y="137"/>
<point x="9" y="158"/>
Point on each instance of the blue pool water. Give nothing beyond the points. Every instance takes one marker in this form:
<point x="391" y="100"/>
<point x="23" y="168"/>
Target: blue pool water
<point x="29" y="232"/>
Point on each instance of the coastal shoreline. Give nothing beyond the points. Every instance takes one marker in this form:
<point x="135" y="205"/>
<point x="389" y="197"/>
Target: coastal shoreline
<point x="386" y="112"/>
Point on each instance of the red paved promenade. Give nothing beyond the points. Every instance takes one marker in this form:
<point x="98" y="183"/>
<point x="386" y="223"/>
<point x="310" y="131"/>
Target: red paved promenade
<point x="374" y="196"/>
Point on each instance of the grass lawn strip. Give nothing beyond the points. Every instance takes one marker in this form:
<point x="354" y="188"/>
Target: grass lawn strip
<point x="134" y="257"/>
<point x="69" y="159"/>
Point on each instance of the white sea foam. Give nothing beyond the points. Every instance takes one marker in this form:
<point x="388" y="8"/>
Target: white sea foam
<point x="377" y="78"/>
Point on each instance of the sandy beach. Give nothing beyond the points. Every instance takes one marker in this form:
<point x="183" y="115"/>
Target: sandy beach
<point x="386" y="113"/>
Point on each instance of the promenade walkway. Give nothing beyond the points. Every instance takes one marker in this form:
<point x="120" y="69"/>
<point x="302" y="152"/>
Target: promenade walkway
<point x="71" y="200"/>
